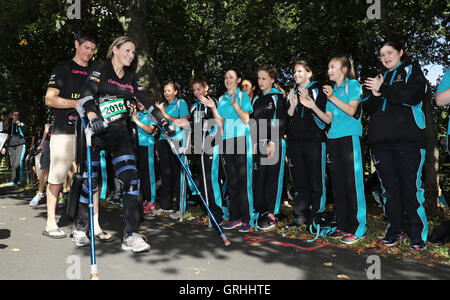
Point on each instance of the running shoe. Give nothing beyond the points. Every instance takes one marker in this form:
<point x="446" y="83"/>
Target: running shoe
<point x="349" y="239"/>
<point x="418" y="245"/>
<point x="245" y="227"/>
<point x="267" y="223"/>
<point x="35" y="201"/>
<point x="175" y="214"/>
<point x="135" y="242"/>
<point x="337" y="234"/>
<point x="232" y="224"/>
<point x="61" y="202"/>
<point x="160" y="211"/>
<point x="149" y="207"/>
<point x="79" y="238"/>
<point x="391" y="241"/>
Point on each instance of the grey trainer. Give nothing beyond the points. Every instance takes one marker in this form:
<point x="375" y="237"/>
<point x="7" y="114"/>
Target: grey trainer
<point x="79" y="238"/>
<point x="136" y="243"/>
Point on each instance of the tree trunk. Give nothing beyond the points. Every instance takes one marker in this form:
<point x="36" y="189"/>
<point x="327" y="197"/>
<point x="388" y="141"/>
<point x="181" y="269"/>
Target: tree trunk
<point x="134" y="24"/>
<point x="431" y="166"/>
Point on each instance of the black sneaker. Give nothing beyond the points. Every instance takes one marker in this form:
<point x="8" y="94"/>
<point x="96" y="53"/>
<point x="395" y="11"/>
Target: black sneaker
<point x="337" y="234"/>
<point x="391" y="241"/>
<point x="267" y="223"/>
<point x="418" y="245"/>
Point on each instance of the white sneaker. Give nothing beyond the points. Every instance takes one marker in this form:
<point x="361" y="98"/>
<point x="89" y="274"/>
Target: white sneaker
<point x="35" y="201"/>
<point x="175" y="214"/>
<point x="136" y="242"/>
<point x="160" y="211"/>
<point x="80" y="238"/>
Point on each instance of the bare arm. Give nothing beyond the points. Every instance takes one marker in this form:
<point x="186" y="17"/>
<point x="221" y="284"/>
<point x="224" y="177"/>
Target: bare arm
<point x="147" y="128"/>
<point x="309" y="103"/>
<point x="443" y="98"/>
<point x="244" y="116"/>
<point x="207" y="101"/>
<point x="53" y="99"/>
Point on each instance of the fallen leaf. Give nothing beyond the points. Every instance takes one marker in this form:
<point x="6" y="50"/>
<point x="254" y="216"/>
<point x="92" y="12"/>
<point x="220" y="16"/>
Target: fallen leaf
<point x="15" y="250"/>
<point x="342" y="276"/>
<point x="23" y="219"/>
<point x="197" y="271"/>
<point x="143" y="232"/>
<point x="255" y="244"/>
<point x="328" y="264"/>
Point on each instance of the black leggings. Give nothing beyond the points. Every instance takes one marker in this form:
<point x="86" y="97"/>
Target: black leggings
<point x="117" y="140"/>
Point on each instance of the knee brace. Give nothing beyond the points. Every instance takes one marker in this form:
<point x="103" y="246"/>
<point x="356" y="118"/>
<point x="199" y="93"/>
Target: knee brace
<point x="127" y="173"/>
<point x="84" y="194"/>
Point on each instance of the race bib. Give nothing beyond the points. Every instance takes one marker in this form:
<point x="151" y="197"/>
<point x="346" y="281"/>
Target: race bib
<point x="113" y="110"/>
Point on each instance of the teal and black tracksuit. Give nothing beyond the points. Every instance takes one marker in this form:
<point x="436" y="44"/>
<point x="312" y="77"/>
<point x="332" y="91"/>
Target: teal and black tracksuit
<point x="16" y="147"/>
<point x="146" y="159"/>
<point x="306" y="151"/>
<point x="269" y="123"/>
<point x="237" y="154"/>
<point x="203" y="123"/>
<point x="397" y="141"/>
<point x="344" y="159"/>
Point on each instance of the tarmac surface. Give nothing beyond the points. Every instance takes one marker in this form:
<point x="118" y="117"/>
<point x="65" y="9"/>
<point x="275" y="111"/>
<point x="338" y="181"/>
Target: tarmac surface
<point x="182" y="251"/>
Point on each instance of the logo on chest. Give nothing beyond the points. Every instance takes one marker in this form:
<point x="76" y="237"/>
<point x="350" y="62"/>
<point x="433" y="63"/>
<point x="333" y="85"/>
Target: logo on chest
<point x="398" y="78"/>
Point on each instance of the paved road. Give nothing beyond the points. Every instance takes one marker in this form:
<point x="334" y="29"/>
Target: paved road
<point x="185" y="251"/>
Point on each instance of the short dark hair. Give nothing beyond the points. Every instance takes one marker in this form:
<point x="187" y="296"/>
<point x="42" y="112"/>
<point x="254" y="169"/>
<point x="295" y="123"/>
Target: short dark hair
<point x="84" y="37"/>
<point x="397" y="45"/>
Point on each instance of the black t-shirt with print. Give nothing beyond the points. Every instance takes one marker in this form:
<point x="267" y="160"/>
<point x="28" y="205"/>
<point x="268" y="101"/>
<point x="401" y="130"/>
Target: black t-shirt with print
<point x="69" y="78"/>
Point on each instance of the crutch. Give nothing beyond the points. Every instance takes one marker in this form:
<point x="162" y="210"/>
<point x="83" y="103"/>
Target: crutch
<point x="203" y="171"/>
<point x="188" y="174"/>
<point x="183" y="177"/>
<point x="89" y="133"/>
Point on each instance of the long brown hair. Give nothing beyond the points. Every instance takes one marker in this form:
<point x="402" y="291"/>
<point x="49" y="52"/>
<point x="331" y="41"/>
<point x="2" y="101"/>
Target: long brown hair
<point x="305" y="65"/>
<point x="7" y="120"/>
<point x="273" y="73"/>
<point x="346" y="62"/>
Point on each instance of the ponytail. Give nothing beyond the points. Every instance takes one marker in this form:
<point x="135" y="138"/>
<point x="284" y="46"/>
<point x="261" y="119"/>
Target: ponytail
<point x="347" y="63"/>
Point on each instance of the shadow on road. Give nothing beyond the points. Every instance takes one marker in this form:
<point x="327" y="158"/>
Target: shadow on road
<point x="175" y="242"/>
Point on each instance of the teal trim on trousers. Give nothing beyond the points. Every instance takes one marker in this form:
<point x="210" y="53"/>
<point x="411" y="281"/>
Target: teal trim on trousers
<point x="280" y="178"/>
<point x="359" y="184"/>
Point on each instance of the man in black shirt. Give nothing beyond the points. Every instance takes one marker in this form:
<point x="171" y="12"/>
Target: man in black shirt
<point x="63" y="95"/>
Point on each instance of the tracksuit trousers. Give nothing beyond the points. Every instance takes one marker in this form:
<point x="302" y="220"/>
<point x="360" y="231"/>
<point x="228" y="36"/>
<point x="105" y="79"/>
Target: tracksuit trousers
<point x="400" y="172"/>
<point x="344" y="159"/>
<point x="268" y="175"/>
<point x="307" y="166"/>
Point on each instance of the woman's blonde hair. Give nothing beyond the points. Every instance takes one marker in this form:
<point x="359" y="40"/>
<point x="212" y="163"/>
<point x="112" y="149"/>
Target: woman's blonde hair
<point x="346" y="62"/>
<point x="117" y="43"/>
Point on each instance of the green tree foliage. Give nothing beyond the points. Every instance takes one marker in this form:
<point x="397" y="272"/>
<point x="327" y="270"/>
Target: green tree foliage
<point x="180" y="39"/>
